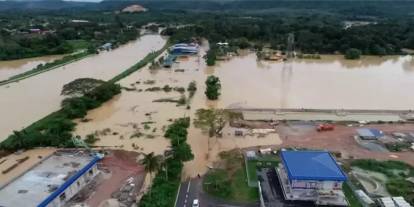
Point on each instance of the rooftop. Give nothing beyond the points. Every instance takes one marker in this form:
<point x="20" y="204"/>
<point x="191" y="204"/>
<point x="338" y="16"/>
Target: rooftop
<point x="48" y="176"/>
<point x="311" y="165"/>
<point x="369" y="132"/>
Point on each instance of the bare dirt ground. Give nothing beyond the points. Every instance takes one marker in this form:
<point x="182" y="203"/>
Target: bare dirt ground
<point x="118" y="167"/>
<point x="341" y="140"/>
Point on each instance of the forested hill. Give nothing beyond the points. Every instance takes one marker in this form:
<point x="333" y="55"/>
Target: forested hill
<point x="346" y="7"/>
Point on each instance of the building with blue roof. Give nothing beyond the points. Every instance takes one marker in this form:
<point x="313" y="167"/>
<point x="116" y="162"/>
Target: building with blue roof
<point x="369" y="133"/>
<point x="52" y="182"/>
<point x="312" y="176"/>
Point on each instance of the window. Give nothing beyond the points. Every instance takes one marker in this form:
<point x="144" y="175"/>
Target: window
<point x="62" y="197"/>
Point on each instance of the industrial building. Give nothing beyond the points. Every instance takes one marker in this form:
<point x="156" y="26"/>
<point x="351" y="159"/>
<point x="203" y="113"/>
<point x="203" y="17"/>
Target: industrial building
<point x="393" y="202"/>
<point x="311" y="176"/>
<point x="369" y="133"/>
<point x="184" y="49"/>
<point x="51" y="182"/>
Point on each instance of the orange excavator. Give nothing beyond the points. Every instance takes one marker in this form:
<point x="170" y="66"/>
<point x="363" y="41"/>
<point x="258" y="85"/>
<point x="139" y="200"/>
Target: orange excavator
<point x="325" y="127"/>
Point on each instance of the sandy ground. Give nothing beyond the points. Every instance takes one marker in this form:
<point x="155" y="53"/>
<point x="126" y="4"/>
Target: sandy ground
<point x="341" y="140"/>
<point x="35" y="156"/>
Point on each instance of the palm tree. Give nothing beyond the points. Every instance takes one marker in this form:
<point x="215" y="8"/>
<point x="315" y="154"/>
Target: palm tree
<point x="151" y="163"/>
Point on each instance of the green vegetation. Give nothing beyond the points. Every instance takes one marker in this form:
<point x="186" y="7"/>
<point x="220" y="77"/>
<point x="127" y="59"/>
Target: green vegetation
<point x="168" y="178"/>
<point x="213" y="87"/>
<point x="397" y="172"/>
<point x="350" y="196"/>
<point x="192" y="88"/>
<point x="211" y="57"/>
<point x="230" y="182"/>
<point x="260" y="162"/>
<point x="55" y="129"/>
<point x="353" y="54"/>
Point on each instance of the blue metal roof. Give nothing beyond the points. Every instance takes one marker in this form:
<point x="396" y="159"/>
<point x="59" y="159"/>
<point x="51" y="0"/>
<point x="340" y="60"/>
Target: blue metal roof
<point x="311" y="165"/>
<point x="369" y="132"/>
<point x="68" y="183"/>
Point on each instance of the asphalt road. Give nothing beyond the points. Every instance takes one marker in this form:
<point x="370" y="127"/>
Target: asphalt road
<point x="189" y="191"/>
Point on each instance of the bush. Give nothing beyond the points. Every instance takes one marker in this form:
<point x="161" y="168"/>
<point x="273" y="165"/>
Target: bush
<point x="353" y="54"/>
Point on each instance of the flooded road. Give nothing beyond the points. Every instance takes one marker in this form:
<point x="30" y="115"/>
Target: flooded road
<point x="9" y="68"/>
<point x="29" y="100"/>
<point x="132" y="120"/>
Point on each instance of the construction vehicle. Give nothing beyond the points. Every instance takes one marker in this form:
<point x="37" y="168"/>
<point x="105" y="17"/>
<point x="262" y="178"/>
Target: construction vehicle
<point x="325" y="127"/>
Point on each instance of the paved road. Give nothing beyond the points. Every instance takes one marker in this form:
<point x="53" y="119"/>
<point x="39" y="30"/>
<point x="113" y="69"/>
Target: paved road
<point x="193" y="189"/>
<point x="189" y="191"/>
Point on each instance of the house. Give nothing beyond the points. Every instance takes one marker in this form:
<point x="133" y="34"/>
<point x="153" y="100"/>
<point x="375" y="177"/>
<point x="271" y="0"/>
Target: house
<point x="311" y="176"/>
<point x="369" y="133"/>
<point x="51" y="182"/>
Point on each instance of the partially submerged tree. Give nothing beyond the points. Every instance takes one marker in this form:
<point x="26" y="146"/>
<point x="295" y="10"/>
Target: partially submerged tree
<point x="213" y="87"/>
<point x="353" y="54"/>
<point x="81" y="86"/>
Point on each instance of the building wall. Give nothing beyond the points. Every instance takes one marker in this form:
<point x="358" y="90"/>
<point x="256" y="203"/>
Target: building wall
<point x="75" y="187"/>
<point x="314" y="184"/>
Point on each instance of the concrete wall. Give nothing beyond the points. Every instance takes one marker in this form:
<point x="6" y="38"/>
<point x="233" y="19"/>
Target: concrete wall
<point x="75" y="187"/>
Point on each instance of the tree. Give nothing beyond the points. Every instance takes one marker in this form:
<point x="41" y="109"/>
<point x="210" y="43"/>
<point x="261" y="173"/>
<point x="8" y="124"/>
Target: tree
<point x="213" y="87"/>
<point x="211" y="56"/>
<point x="151" y="163"/>
<point x="353" y="54"/>
<point x="80" y="86"/>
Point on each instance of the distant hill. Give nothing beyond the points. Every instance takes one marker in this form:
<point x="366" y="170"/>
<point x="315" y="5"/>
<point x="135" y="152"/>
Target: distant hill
<point x="348" y="7"/>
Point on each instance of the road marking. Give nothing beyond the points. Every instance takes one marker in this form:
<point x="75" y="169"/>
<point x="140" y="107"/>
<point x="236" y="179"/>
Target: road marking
<point x="178" y="193"/>
<point x="188" y="187"/>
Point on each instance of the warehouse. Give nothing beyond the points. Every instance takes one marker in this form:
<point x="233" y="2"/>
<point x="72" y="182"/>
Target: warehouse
<point x="51" y="182"/>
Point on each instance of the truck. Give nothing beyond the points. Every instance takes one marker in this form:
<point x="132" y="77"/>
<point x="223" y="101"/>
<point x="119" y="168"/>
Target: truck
<point x="325" y="127"/>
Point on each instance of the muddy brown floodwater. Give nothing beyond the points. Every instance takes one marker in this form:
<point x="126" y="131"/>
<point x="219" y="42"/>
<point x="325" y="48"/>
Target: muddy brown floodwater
<point x="29" y="100"/>
<point x="132" y="120"/>
<point x="9" y="68"/>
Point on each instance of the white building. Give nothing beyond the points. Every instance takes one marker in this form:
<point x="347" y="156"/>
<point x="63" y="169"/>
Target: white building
<point x="311" y="176"/>
<point x="51" y="182"/>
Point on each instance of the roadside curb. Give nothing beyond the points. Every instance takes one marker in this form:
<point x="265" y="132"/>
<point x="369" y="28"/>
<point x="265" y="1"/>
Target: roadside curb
<point x="176" y="197"/>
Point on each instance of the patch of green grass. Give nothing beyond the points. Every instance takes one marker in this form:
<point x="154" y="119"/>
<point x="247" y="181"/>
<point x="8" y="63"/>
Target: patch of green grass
<point x="397" y="172"/>
<point x="350" y="196"/>
<point x="78" y="44"/>
<point x="220" y="184"/>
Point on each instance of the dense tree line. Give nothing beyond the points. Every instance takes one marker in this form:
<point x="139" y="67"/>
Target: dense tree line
<point x="165" y="184"/>
<point x="35" y="34"/>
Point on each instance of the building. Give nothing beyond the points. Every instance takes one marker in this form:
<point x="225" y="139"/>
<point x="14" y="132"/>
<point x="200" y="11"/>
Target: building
<point x="369" y="133"/>
<point x="136" y="8"/>
<point x="52" y="181"/>
<point x="184" y="49"/>
<point x="311" y="176"/>
<point x="393" y="202"/>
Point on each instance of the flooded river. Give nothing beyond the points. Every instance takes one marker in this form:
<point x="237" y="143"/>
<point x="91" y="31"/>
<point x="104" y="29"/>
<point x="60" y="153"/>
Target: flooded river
<point x="9" y="68"/>
<point x="27" y="101"/>
<point x="132" y="120"/>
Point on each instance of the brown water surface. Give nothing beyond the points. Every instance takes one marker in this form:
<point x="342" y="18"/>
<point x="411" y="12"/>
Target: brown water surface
<point x="27" y="101"/>
<point x="9" y="68"/>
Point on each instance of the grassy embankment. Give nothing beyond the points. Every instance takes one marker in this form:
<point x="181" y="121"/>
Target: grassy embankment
<point x="56" y="128"/>
<point x="46" y="67"/>
<point x="269" y="161"/>
<point x="229" y="182"/>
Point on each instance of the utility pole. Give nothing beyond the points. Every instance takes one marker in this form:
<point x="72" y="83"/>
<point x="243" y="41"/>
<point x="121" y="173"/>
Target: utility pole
<point x="290" y="47"/>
